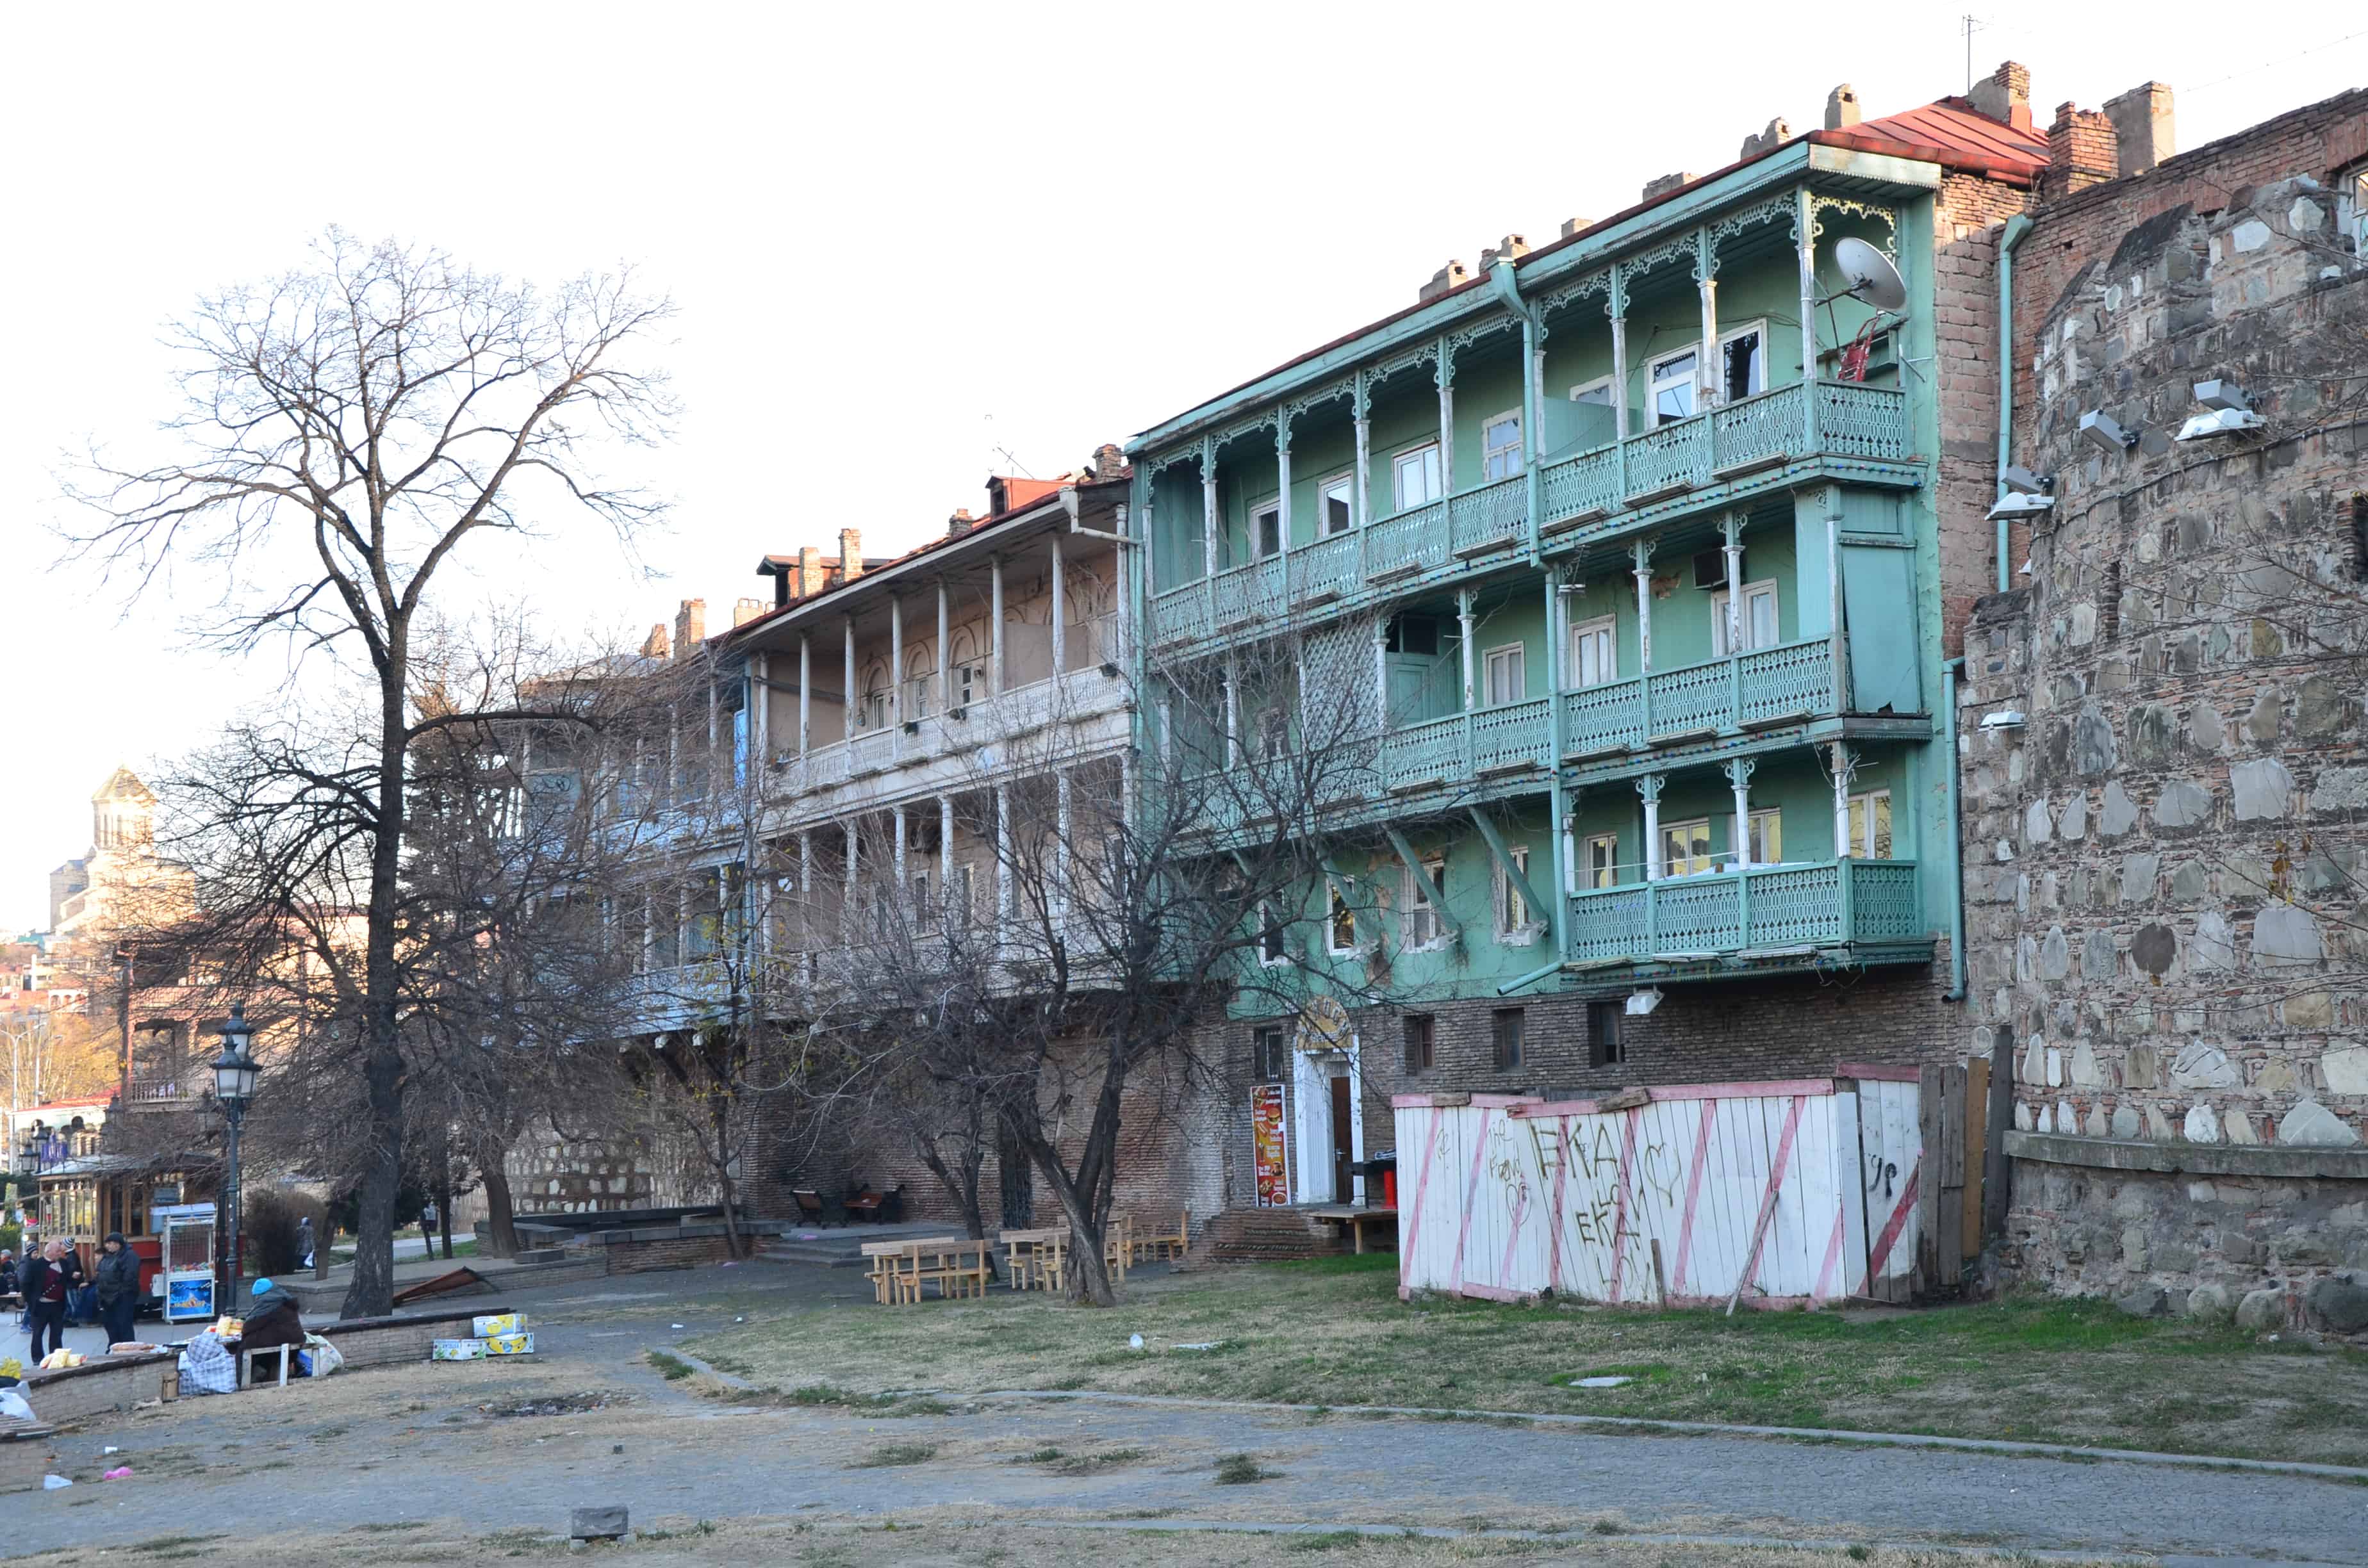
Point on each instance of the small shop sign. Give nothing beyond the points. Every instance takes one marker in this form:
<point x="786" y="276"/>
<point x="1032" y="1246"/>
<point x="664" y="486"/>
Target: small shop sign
<point x="1266" y="1141"/>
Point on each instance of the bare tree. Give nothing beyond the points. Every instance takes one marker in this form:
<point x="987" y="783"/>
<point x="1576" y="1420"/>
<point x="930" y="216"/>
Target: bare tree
<point x="1127" y="906"/>
<point x="351" y="426"/>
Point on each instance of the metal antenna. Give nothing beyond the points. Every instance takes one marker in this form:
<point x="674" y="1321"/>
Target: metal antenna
<point x="1970" y="25"/>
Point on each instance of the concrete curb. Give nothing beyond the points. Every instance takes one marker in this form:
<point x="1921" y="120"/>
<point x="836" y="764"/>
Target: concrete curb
<point x="1717" y="1429"/>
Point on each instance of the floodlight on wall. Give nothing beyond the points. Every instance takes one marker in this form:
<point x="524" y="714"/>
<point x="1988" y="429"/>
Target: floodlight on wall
<point x="2219" y="421"/>
<point x="2101" y="430"/>
<point x="2021" y="504"/>
<point x="2023" y="482"/>
<point x="2232" y="411"/>
<point x="1643" y="1002"/>
<point x="2004" y="719"/>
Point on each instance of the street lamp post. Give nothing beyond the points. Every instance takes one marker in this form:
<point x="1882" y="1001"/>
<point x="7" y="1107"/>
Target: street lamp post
<point x="233" y="1088"/>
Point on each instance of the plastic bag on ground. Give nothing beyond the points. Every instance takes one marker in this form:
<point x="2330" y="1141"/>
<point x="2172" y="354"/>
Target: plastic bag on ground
<point x="13" y="1408"/>
<point x="321" y="1356"/>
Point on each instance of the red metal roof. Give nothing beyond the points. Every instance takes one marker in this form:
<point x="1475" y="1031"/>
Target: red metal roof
<point x="1960" y="134"/>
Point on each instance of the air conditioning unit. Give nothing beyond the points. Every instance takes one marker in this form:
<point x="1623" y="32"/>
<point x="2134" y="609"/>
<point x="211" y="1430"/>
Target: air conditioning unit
<point x="1710" y="569"/>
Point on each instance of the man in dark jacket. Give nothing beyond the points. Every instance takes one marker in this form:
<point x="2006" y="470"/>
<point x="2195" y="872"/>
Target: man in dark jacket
<point x="46" y="1282"/>
<point x="118" y="1287"/>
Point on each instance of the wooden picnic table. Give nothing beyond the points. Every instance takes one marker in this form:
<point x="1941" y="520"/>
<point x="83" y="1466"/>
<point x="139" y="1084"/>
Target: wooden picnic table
<point x="956" y="1264"/>
<point x="1356" y="1220"/>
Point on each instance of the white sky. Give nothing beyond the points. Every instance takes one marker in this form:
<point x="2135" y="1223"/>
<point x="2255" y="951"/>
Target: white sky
<point x="901" y="237"/>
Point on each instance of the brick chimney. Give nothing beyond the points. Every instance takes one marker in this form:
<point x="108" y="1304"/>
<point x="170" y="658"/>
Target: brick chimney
<point x="2006" y="96"/>
<point x="689" y="626"/>
<point x="812" y="578"/>
<point x="746" y="610"/>
<point x="654" y="646"/>
<point x="1109" y="463"/>
<point x="1454" y="274"/>
<point x="1841" y="108"/>
<point x="1768" y="140"/>
<point x="1512" y="247"/>
<point x="959" y="524"/>
<point x="1664" y="184"/>
<point x="850" y="555"/>
<point x="2143" y="127"/>
<point x="2081" y="151"/>
<point x="1573" y="226"/>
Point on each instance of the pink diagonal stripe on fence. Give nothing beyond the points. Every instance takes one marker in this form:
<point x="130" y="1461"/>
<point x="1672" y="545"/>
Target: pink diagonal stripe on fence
<point x="1562" y="1171"/>
<point x="1619" y="1205"/>
<point x="1896" y="1224"/>
<point x="1825" y="1289"/>
<point x="1421" y="1185"/>
<point x="1694" y="1191"/>
<point x="1471" y="1191"/>
<point x="1775" y="1180"/>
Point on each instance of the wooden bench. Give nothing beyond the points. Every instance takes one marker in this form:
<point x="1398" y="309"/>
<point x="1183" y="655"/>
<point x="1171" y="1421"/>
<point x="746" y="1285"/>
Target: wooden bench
<point x="1034" y="1258"/>
<point x="1165" y="1243"/>
<point x="957" y="1264"/>
<point x="809" y="1204"/>
<point x="1357" y="1219"/>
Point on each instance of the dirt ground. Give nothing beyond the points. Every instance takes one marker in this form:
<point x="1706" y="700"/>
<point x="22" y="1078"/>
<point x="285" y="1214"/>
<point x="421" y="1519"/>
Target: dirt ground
<point x="1334" y="1333"/>
<point x="477" y="1462"/>
<point x="934" y="1544"/>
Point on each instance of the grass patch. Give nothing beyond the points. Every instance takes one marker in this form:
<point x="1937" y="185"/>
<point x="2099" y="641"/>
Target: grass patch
<point x="670" y="1366"/>
<point x="890" y="1454"/>
<point x="390" y="1527"/>
<point x="1241" y="1470"/>
<point x="1330" y="1541"/>
<point x="176" y="1545"/>
<point x="1332" y="1332"/>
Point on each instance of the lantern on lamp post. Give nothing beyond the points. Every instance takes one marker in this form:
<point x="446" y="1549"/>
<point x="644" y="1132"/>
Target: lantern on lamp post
<point x="234" y="1073"/>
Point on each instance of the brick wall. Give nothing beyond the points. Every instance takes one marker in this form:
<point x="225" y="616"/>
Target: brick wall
<point x="1782" y="1026"/>
<point x="1965" y="229"/>
<point x="100" y="1386"/>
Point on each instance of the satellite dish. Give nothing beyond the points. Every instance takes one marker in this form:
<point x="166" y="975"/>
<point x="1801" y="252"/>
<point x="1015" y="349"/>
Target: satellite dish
<point x="1873" y="278"/>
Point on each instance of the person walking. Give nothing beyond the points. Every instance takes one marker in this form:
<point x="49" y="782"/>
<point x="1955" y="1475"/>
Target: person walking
<point x="46" y="1281"/>
<point x="119" y="1288"/>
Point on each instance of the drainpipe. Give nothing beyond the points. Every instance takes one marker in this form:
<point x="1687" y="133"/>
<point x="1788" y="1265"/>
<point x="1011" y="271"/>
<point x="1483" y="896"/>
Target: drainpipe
<point x="1533" y="330"/>
<point x="2016" y="227"/>
<point x="1956" y="992"/>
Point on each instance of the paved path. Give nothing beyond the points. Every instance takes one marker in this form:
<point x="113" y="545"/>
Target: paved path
<point x="399" y="1436"/>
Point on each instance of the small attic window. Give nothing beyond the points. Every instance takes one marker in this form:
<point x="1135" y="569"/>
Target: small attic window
<point x="2356" y="190"/>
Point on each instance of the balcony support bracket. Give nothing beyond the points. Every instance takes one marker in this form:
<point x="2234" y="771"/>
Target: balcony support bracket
<point x="1414" y="868"/>
<point x="1504" y="858"/>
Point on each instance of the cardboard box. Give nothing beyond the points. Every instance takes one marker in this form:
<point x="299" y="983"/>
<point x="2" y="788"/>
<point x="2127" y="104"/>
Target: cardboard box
<point x="495" y="1324"/>
<point x="457" y="1351"/>
<point x="509" y="1345"/>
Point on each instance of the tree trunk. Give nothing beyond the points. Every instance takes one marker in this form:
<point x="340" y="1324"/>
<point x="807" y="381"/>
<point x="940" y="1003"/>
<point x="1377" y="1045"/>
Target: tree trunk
<point x="501" y="1211"/>
<point x="372" y="1291"/>
<point x="1019" y="1180"/>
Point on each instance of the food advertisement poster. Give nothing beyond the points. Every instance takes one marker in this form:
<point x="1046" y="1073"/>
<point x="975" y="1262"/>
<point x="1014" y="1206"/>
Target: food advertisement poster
<point x="1266" y="1139"/>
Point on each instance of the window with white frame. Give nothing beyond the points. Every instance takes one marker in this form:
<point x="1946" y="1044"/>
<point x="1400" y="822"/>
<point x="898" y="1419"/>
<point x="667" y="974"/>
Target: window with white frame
<point x="1597" y="425"/>
<point x="2360" y="216"/>
<point x="1340" y="920"/>
<point x="1500" y="446"/>
<point x="1266" y="530"/>
<point x="1685" y="847"/>
<point x="1335" y="505"/>
<point x="1422" y="927"/>
<point x="1743" y="362"/>
<point x="1513" y="916"/>
<point x="925" y="914"/>
<point x="1869" y="825"/>
<point x="1271" y="950"/>
<point x="1595" y="651"/>
<point x="1416" y="476"/>
<point x="1599" y="865"/>
<point x="958" y="895"/>
<point x="873" y="712"/>
<point x="1759" y="614"/>
<point x="1508" y="677"/>
<point x="1765" y="836"/>
<point x="1670" y="386"/>
<point x="969" y="671"/>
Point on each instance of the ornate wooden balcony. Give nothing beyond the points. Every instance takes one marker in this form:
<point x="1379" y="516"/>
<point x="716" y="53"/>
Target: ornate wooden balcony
<point x="1767" y="913"/>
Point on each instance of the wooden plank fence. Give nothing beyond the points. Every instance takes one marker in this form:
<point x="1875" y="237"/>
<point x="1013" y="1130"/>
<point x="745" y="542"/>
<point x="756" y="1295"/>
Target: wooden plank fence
<point x="1778" y="1194"/>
